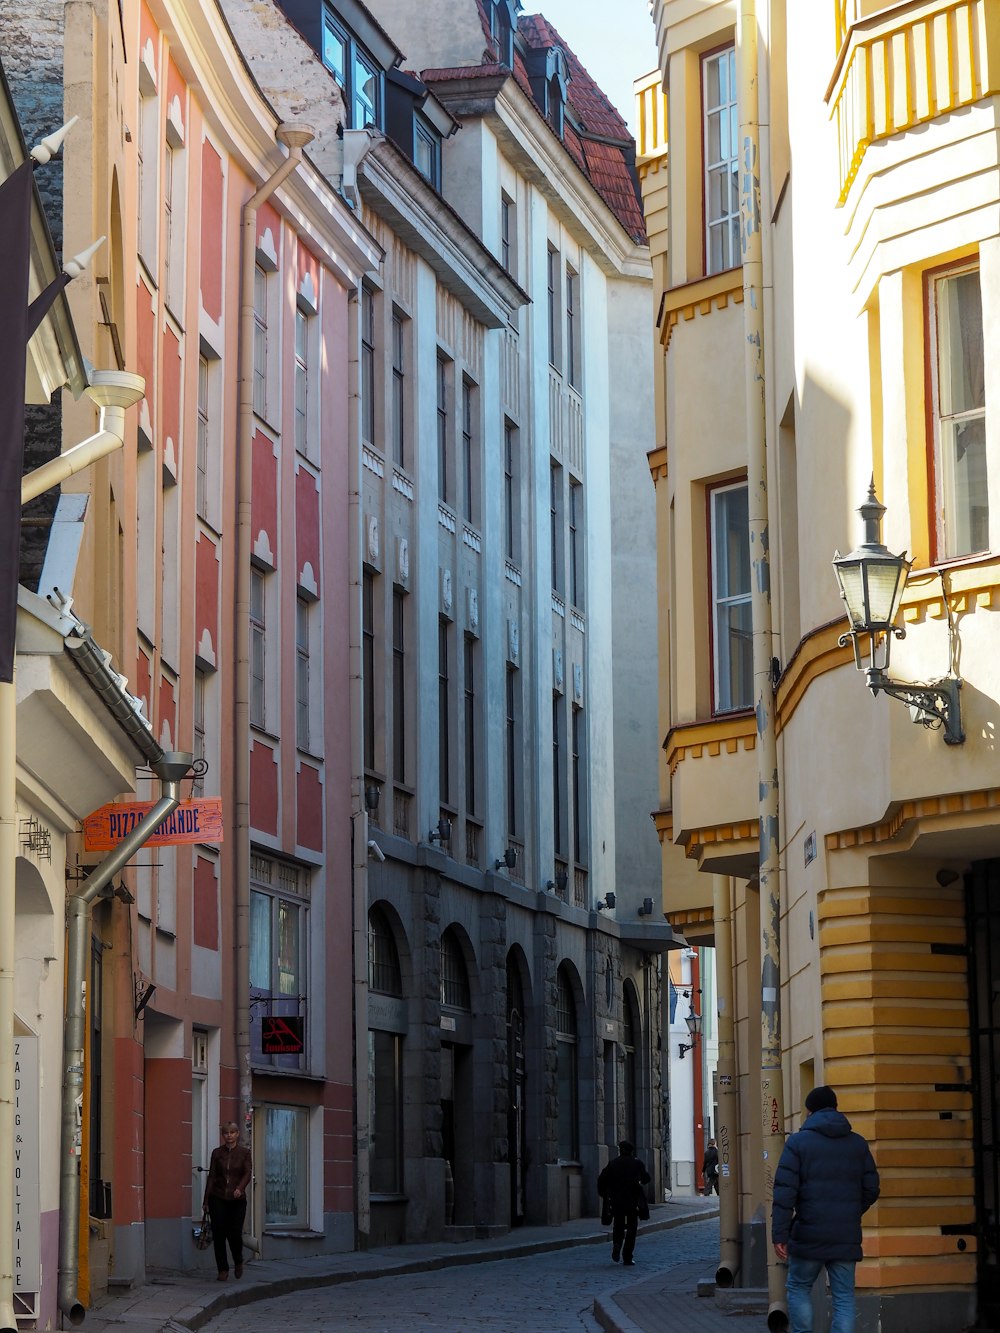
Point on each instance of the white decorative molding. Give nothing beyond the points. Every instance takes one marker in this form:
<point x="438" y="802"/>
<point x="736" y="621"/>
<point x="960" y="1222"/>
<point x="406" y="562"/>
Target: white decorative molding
<point x="577" y="683"/>
<point x="558" y="675"/>
<point x="174" y="129"/>
<point x="472" y="611"/>
<point x="402" y="560"/>
<point x="262" y="548"/>
<point x="577" y="621"/>
<point x="147" y="69"/>
<point x="169" y="462"/>
<point x="512" y="574"/>
<point x="206" y="649"/>
<point x="559" y="606"/>
<point x="307" y="579"/>
<point x="372" y="542"/>
<point x="446" y="519"/>
<point x="308" y="296"/>
<point x="403" y="485"/>
<point x="372" y="462"/>
<point x="144" y="433"/>
<point x="447" y="593"/>
<point x="267" y="251"/>
<point x="472" y="539"/>
<point x="513" y="643"/>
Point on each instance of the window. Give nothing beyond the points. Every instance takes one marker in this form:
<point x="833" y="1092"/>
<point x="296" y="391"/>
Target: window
<point x="555" y="525"/>
<point x="198" y="726"/>
<point x="732" y="628"/>
<point x="427" y="151"/>
<point x="368" y="664"/>
<point x="301" y="381"/>
<point x="513" y="743"/>
<point x="510" y="514"/>
<point x="444" y="711"/>
<point x="398" y="685"/>
<point x="286" y="1166"/>
<point x="146" y="146"/>
<point x="258" y="650"/>
<point x="961" y="501"/>
<point x="506" y="233"/>
<point x="302" y="608"/>
<point x="552" y="280"/>
<point x="442" y="427"/>
<point x="721" y="140"/>
<point x="279" y="920"/>
<point x="260" y="349"/>
<point x="575" y="543"/>
<point x="579" y="793"/>
<point x="470" y="724"/>
<point x="455" y="991"/>
<point x="169" y="224"/>
<point x="385" y="1111"/>
<point x="398" y="390"/>
<point x="503" y="24"/>
<point x="201" y="448"/>
<point x="566" y="1057"/>
<point x="558" y="779"/>
<point x="356" y="72"/>
<point x="384" y="973"/>
<point x="367" y="365"/>
<point x="572" y="294"/>
<point x="470" y="458"/>
<point x="630" y="1032"/>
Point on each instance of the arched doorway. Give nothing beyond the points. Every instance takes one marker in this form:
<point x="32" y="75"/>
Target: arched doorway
<point x="517" y="1081"/>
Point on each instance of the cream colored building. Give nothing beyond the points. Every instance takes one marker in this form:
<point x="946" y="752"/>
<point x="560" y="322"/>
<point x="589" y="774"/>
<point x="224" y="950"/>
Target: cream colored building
<point x="880" y="231"/>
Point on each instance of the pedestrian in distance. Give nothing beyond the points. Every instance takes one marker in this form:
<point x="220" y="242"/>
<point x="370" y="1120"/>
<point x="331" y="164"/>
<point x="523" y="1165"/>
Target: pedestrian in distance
<point x="710" y="1168"/>
<point x="826" y="1180"/>
<point x="229" y="1173"/>
<point x="620" y="1186"/>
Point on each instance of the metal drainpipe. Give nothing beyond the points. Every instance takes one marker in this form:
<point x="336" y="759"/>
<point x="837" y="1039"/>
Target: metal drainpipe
<point x="727" y="1127"/>
<point x="170" y="769"/>
<point x="772" y="1111"/>
<point x="294" y="137"/>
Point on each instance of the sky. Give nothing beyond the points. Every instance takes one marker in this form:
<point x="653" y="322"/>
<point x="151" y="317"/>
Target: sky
<point x="615" y="43"/>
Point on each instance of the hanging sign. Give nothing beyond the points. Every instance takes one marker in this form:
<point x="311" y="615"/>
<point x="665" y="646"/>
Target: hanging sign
<point x="27" y="1232"/>
<point x="192" y="821"/>
<point x="282" y="1036"/>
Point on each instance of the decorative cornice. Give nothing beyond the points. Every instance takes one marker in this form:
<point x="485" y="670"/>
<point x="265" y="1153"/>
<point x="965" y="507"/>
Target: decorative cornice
<point x="693" y="739"/>
<point x="910" y="814"/>
<point x="699" y="297"/>
<point x="657" y="459"/>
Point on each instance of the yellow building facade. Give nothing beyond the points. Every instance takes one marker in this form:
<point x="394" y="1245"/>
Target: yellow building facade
<point x="877" y="159"/>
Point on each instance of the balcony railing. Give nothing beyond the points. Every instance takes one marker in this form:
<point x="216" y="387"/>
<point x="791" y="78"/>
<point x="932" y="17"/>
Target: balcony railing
<point x="904" y="67"/>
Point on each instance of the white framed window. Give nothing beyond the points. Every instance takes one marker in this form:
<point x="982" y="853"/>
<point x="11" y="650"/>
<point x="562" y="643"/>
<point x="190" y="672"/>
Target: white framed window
<point x="556" y="525"/>
<point x="201" y="449"/>
<point x="279" y="934"/>
<point x="553" y="306"/>
<point x="572" y="328"/>
<point x="301" y="381"/>
<point x="720" y="148"/>
<point x="427" y="151"/>
<point x="198" y="725"/>
<point x="576" y="566"/>
<point x="258" y="648"/>
<point x="732" y="626"/>
<point x="511" y="508"/>
<point x="261" y="349"/>
<point x="444" y="395"/>
<point x="399" y="340"/>
<point x="285" y="1133"/>
<point x="508" y="234"/>
<point x="367" y="312"/>
<point x="956" y="359"/>
<point x="147" y="151"/>
<point x="470" y="451"/>
<point x="444" y="711"/>
<point x="356" y="72"/>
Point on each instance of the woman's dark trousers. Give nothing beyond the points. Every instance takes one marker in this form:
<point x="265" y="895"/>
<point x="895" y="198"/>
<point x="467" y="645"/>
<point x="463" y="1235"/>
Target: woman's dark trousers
<point x="227" y="1225"/>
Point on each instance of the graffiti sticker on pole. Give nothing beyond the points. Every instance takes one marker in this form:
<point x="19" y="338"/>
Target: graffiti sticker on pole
<point x="192" y="821"/>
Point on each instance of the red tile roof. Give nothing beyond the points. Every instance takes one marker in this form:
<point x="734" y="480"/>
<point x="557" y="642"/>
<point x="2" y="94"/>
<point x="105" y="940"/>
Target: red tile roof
<point x="609" y="166"/>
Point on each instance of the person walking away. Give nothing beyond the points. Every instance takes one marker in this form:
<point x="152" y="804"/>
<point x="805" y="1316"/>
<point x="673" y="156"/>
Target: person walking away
<point x="826" y="1180"/>
<point x="621" y="1183"/>
<point x="710" y="1168"/>
<point x="229" y="1173"/>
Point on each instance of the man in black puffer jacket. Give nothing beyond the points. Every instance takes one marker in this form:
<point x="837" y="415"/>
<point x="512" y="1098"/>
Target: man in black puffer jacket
<point x="621" y="1184"/>
<point x="826" y="1180"/>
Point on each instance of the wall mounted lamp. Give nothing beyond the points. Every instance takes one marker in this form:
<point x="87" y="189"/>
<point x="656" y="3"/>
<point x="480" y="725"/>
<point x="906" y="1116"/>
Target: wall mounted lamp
<point x="559" y="883"/>
<point x="144" y="992"/>
<point x="608" y="902"/>
<point x="372" y="794"/>
<point x="442" y="833"/>
<point x="647" y="907"/>
<point x="872" y="581"/>
<point x="509" y="859"/>
<point x="693" y="1021"/>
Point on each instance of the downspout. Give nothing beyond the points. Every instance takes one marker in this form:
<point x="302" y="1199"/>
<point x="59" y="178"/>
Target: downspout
<point x="294" y="137"/>
<point x="772" y="1109"/>
<point x="170" y="769"/>
<point x="726" y="1128"/>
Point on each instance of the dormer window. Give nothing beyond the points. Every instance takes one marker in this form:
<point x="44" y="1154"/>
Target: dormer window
<point x="357" y="73"/>
<point x="427" y="150"/>
<point x="548" y="75"/>
<point x="503" y="25"/>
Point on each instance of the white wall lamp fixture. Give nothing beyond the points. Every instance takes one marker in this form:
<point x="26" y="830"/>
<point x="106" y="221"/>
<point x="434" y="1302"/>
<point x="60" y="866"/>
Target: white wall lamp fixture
<point x="872" y="581"/>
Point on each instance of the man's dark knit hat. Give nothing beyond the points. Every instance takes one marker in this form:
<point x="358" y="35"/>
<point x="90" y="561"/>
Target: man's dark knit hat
<point x="821" y="1099"/>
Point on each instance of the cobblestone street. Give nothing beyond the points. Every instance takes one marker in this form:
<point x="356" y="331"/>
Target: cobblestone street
<point x="552" y="1291"/>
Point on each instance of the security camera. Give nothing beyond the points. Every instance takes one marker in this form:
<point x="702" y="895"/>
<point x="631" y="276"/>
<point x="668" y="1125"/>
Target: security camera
<point x="376" y="850"/>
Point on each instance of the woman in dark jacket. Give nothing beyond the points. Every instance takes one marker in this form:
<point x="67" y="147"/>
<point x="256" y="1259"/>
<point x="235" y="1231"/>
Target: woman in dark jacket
<point x="229" y="1173"/>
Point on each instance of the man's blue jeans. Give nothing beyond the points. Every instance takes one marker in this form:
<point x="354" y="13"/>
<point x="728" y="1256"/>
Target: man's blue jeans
<point x="802" y="1274"/>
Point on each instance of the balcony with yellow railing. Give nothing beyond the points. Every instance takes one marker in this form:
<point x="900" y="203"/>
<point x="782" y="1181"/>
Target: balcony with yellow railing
<point x="905" y="65"/>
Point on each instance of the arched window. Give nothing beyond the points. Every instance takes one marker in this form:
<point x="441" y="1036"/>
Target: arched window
<point x="568" y="1078"/>
<point x="630" y="1042"/>
<point x="384" y="975"/>
<point x="454" y="974"/>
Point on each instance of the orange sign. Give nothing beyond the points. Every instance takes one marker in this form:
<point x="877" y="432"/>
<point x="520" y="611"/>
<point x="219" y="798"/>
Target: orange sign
<point x="192" y="821"/>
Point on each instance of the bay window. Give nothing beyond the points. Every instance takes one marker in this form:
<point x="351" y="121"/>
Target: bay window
<point x="732" y="628"/>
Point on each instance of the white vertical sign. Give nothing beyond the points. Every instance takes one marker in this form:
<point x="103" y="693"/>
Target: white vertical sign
<point x="27" y="1228"/>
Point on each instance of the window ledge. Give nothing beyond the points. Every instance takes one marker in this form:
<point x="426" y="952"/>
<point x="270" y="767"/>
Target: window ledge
<point x="293" y="1233"/>
<point x="388" y="1198"/>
